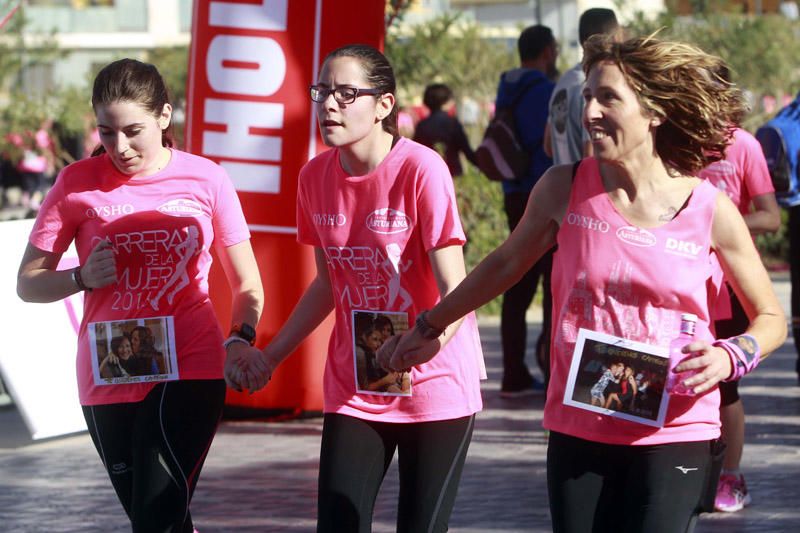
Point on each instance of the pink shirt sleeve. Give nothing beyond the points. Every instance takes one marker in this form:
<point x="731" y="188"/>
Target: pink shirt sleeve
<point x="436" y="204"/>
<point x="230" y="226"/>
<point x="54" y="228"/>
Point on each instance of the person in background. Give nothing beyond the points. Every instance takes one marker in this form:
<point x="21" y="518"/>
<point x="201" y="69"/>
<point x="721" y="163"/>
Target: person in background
<point x="538" y="51"/>
<point x="744" y="177"/>
<point x="119" y="207"/>
<point x="635" y="230"/>
<point x="441" y="130"/>
<point x="566" y="140"/>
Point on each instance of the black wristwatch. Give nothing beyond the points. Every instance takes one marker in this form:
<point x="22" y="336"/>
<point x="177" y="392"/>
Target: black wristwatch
<point x="244" y="331"/>
<point x="425" y="328"/>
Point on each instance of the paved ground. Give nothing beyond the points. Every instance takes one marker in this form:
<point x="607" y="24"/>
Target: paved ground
<point x="261" y="476"/>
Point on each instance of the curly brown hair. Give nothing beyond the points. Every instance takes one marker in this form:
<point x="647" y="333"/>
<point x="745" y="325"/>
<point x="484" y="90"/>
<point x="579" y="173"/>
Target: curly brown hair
<point x="685" y="87"/>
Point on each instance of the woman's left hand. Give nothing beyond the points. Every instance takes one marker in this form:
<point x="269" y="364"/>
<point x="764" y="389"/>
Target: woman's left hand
<point x="246" y="368"/>
<point x="713" y="364"/>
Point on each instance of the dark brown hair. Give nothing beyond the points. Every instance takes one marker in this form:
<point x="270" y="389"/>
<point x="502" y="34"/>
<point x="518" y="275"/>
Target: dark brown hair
<point x="379" y="74"/>
<point x="129" y="80"/>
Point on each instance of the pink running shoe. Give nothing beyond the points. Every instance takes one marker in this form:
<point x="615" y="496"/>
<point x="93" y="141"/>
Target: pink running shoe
<point x="732" y="494"/>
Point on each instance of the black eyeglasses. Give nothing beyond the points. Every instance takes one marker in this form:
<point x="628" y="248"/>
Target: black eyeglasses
<point x="343" y="95"/>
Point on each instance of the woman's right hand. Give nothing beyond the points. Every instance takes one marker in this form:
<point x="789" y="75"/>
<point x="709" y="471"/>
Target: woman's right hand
<point x="247" y="367"/>
<point x="100" y="268"/>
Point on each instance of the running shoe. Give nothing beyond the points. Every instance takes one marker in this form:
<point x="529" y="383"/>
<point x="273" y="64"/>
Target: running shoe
<point x="732" y="494"/>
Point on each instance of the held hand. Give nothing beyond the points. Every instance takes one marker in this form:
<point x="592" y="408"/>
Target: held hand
<point x="246" y="367"/>
<point x="100" y="268"/>
<point x="409" y="350"/>
<point x="712" y="363"/>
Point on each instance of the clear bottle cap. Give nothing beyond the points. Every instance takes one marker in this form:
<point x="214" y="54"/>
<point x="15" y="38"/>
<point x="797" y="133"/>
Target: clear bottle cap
<point x="689" y="317"/>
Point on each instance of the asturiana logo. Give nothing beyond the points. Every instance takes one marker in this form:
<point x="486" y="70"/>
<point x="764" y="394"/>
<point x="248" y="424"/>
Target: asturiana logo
<point x="387" y="220"/>
<point x="181" y="207"/>
<point x="636" y="236"/>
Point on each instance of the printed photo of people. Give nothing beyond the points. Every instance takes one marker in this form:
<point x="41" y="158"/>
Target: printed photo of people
<point x="370" y="331"/>
<point x="618" y="379"/>
<point x="131" y="351"/>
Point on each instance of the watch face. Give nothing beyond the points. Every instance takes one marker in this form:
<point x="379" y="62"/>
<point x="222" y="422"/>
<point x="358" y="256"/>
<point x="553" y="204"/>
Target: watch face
<point x="245" y="331"/>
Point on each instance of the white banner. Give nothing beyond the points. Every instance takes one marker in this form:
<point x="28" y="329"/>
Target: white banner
<point x="37" y="355"/>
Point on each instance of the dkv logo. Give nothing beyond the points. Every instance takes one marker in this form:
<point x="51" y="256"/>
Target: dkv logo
<point x="387" y="220"/>
<point x="683" y="248"/>
<point x="181" y="208"/>
<point x="636" y="236"/>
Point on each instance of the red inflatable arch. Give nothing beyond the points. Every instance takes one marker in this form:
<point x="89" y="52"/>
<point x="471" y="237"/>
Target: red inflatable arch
<point x="248" y="109"/>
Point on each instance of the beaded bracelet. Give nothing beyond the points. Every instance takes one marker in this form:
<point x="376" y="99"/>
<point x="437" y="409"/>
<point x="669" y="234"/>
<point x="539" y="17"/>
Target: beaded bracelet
<point x="744" y="352"/>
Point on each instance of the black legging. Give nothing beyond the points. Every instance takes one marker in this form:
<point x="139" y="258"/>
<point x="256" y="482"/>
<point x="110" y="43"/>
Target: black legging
<point x="606" y="488"/>
<point x="153" y="450"/>
<point x="355" y="455"/>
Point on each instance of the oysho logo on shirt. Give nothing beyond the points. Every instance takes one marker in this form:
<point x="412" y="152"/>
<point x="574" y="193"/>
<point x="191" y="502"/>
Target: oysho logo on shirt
<point x="110" y="210"/>
<point x="589" y="223"/>
<point x="329" y="219"/>
<point x="636" y="236"/>
<point x="387" y="220"/>
<point x="182" y="207"/>
<point x="682" y="248"/>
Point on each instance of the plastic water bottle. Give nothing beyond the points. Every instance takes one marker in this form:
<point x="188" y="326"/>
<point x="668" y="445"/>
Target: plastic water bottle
<point x="675" y="381"/>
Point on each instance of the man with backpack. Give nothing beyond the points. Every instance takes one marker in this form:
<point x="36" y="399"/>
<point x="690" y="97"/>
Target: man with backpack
<point x="527" y="90"/>
<point x="780" y="141"/>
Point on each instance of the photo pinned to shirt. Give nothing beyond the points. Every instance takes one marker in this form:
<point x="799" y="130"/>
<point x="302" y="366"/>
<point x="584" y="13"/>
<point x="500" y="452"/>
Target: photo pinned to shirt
<point x="618" y="377"/>
<point x="370" y="330"/>
<point x="139" y="350"/>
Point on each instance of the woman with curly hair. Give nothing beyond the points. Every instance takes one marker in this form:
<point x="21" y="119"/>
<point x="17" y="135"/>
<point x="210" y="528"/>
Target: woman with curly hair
<point x="635" y="228"/>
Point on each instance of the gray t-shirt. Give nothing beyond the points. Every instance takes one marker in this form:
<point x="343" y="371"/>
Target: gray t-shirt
<point x="566" y="125"/>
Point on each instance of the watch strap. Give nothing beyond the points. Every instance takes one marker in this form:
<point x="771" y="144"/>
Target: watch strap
<point x="244" y="331"/>
<point x="78" y="280"/>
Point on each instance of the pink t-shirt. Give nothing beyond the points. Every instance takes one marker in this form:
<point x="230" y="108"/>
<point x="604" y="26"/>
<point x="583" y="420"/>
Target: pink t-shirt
<point x="161" y="228"/>
<point x="376" y="231"/>
<point x="742" y="175"/>
<point x="612" y="277"/>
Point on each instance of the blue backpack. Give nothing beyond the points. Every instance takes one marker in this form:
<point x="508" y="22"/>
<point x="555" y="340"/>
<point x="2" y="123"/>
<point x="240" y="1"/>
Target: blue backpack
<point x="780" y="141"/>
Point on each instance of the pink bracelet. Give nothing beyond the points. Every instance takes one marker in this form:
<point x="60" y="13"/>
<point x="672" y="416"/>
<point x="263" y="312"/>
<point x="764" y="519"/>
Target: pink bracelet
<point x="744" y="352"/>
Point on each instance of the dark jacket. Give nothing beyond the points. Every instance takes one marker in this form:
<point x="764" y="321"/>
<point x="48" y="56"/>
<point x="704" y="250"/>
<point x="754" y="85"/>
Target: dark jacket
<point x="445" y="134"/>
<point x="530" y="115"/>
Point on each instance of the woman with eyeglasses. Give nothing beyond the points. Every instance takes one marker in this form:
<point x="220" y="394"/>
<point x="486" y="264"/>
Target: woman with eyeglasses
<point x="381" y="214"/>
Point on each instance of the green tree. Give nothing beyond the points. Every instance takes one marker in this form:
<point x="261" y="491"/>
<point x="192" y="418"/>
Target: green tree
<point x="762" y="53"/>
<point x="25" y="108"/>
<point x="453" y="51"/>
<point x="450" y="50"/>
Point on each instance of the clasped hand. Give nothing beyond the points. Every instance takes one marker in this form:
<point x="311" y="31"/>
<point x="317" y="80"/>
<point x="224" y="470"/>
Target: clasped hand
<point x="401" y="352"/>
<point x="247" y="367"/>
